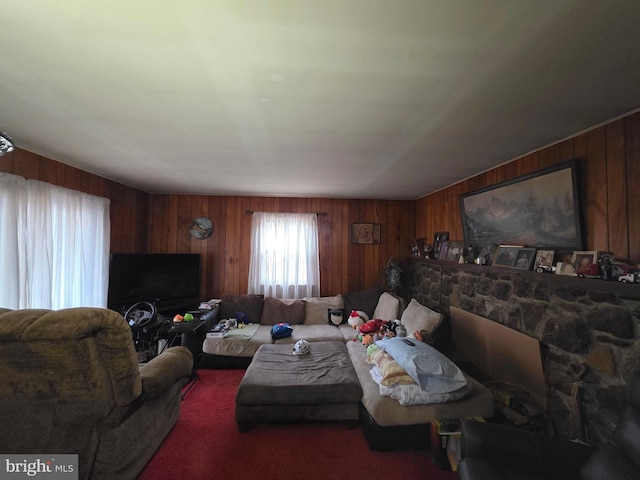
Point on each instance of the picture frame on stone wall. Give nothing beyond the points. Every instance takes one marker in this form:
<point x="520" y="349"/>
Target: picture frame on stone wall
<point x="544" y="258"/>
<point x="582" y="259"/>
<point x="506" y="256"/>
<point x="454" y="251"/>
<point x="438" y="238"/>
<point x="540" y="209"/>
<point x="566" y="268"/>
<point x="525" y="258"/>
<point x="444" y="248"/>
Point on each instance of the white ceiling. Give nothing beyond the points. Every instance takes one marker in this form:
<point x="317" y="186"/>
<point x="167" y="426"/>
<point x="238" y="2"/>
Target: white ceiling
<point x="342" y="99"/>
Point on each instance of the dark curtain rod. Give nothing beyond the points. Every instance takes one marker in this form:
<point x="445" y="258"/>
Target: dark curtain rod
<point x="320" y="214"/>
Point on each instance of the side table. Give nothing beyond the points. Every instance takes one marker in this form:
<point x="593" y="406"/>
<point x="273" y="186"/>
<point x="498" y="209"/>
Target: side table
<point x="192" y="334"/>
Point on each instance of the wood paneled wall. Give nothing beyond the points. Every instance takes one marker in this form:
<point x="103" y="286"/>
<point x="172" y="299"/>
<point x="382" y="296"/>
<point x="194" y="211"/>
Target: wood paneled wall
<point x="343" y="266"/>
<point x="610" y="171"/>
<point x="609" y="162"/>
<point x="128" y="205"/>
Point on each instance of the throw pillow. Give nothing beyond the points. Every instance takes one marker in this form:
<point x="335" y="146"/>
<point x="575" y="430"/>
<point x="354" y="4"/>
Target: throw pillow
<point x="279" y="310"/>
<point x="250" y="304"/>
<point x="417" y="317"/>
<point x="427" y="367"/>
<point x="387" y="307"/>
<point x="335" y="316"/>
<point x="281" y="330"/>
<point x="365" y="300"/>
<point x="316" y="309"/>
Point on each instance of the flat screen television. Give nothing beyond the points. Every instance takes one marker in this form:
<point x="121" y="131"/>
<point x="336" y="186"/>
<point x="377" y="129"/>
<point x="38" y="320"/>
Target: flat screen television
<point x="152" y="277"/>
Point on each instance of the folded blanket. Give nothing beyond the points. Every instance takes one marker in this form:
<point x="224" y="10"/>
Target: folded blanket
<point x="246" y="332"/>
<point x="413" y="394"/>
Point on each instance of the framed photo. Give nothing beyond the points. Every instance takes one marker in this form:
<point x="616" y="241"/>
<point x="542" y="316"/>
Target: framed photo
<point x="444" y="249"/>
<point x="525" y="258"/>
<point x="565" y="268"/>
<point x="368" y="233"/>
<point x="544" y="258"/>
<point x="506" y="256"/>
<point x="438" y="238"/>
<point x="454" y="252"/>
<point x="582" y="259"/>
<point x="540" y="210"/>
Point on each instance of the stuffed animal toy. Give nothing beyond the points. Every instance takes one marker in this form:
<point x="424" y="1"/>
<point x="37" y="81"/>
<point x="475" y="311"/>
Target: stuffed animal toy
<point x="357" y="318"/>
<point x="401" y="331"/>
<point x="367" y="340"/>
<point x="372" y="326"/>
<point x="388" y="329"/>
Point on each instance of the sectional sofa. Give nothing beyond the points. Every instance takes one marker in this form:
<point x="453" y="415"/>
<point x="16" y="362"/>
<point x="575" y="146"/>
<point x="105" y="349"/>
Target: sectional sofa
<point x="386" y="423"/>
<point x="309" y="319"/>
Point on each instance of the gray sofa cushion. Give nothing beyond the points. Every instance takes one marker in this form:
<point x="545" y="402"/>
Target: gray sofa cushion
<point x="251" y="304"/>
<point x="277" y="310"/>
<point x="314" y="333"/>
<point x="317" y="308"/>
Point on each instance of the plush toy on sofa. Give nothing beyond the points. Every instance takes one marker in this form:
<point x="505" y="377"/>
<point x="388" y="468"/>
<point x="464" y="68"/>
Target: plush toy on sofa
<point x="371" y="326"/>
<point x="357" y="318"/>
<point x="401" y="330"/>
<point x="367" y="339"/>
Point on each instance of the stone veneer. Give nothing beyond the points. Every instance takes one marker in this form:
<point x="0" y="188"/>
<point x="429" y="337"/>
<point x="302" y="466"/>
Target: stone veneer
<point x="588" y="330"/>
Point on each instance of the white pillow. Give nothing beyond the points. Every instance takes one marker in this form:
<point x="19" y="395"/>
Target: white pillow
<point x="387" y="307"/>
<point x="317" y="309"/>
<point x="418" y="317"/>
<point x="428" y="367"/>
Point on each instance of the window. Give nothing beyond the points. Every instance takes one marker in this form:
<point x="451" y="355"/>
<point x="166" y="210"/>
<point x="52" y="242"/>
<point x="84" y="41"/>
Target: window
<point x="284" y="255"/>
<point x="55" y="246"/>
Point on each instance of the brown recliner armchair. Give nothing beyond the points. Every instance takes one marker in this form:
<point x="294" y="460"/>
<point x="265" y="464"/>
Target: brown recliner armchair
<point x="496" y="452"/>
<point x="70" y="383"/>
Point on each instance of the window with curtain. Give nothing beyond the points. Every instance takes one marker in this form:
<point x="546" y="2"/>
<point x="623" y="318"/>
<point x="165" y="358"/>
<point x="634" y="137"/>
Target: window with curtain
<point x="54" y="246"/>
<point x="284" y="255"/>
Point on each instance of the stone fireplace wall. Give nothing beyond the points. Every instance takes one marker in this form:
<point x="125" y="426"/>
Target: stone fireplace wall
<point x="589" y="331"/>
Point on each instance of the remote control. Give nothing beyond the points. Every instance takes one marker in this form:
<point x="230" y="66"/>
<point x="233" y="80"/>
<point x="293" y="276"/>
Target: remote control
<point x="409" y="342"/>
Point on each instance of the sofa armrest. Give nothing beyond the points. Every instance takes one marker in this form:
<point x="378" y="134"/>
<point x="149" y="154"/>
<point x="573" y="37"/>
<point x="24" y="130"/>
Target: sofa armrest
<point x="210" y="317"/>
<point x="166" y="369"/>
<point x="512" y="448"/>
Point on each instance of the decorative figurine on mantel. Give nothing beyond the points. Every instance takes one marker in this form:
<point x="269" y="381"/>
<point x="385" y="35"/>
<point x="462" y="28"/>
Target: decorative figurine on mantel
<point x="471" y="254"/>
<point x="418" y="248"/>
<point x="606" y="267"/>
<point x="428" y="250"/>
<point x="393" y="276"/>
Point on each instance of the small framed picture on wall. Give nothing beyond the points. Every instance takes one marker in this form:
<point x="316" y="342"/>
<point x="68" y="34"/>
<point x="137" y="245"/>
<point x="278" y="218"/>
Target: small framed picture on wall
<point x="367" y="233"/>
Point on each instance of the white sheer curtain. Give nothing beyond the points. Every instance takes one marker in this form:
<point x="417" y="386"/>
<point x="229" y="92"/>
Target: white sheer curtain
<point x="284" y="255"/>
<point x="54" y="246"/>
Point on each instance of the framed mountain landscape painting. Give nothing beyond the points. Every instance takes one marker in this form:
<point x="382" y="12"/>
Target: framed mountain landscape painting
<point x="540" y="209"/>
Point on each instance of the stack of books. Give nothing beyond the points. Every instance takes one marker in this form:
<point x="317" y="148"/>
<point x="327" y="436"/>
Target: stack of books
<point x="209" y="304"/>
<point x="218" y="331"/>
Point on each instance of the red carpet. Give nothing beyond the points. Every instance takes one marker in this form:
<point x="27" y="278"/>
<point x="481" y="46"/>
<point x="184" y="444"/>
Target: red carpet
<point x="206" y="444"/>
